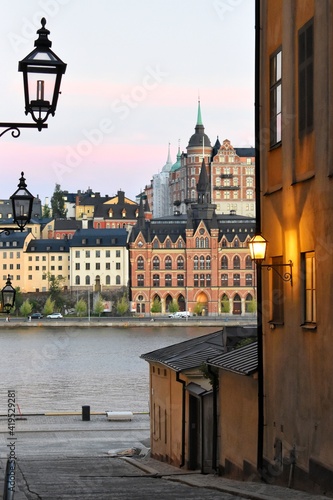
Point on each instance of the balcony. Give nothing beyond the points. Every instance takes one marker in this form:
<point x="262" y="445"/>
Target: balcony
<point x="227" y="188"/>
<point x="226" y="176"/>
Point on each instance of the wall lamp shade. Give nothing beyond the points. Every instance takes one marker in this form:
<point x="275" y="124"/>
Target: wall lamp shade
<point x="22" y="201"/>
<point x="258" y="247"/>
<point x="42" y="73"/>
<point x="8" y="296"/>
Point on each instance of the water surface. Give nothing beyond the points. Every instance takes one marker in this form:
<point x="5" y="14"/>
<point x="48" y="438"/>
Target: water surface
<point x="63" y="369"/>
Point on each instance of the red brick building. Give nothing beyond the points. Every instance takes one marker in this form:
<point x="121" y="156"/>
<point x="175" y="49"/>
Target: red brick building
<point x="194" y="258"/>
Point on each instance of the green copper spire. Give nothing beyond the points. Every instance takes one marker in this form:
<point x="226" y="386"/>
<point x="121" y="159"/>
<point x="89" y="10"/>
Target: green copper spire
<point x="199" y="119"/>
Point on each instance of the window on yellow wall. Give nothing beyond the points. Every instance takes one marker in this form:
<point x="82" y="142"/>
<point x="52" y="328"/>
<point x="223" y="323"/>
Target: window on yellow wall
<point x="275" y="97"/>
<point x="305" y="78"/>
<point x="309" y="287"/>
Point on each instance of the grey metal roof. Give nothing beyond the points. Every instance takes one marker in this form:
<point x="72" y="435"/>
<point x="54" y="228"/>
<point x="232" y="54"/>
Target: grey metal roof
<point x="243" y="360"/>
<point x="188" y="354"/>
<point x="100" y="237"/>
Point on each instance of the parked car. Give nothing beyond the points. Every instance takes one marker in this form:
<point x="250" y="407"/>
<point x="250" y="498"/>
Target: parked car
<point x="180" y="314"/>
<point x="36" y="316"/>
<point x="54" y="316"/>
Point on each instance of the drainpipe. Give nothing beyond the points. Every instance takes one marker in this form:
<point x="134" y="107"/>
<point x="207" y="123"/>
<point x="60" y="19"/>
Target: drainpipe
<point x="182" y="463"/>
<point x="260" y="443"/>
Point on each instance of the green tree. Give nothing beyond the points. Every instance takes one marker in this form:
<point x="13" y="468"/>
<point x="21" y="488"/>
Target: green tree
<point x="225" y="305"/>
<point x="46" y="211"/>
<point x="173" y="306"/>
<point x="81" y="308"/>
<point x="98" y="305"/>
<point x="156" y="306"/>
<point x="26" y="308"/>
<point x="58" y="203"/>
<point x="122" y="305"/>
<point x="198" y="308"/>
<point x="49" y="306"/>
<point x="56" y="289"/>
<point x="251" y="306"/>
<point x="18" y="298"/>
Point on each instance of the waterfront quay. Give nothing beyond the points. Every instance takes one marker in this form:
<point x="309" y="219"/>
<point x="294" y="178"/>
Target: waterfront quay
<point x="133" y="322"/>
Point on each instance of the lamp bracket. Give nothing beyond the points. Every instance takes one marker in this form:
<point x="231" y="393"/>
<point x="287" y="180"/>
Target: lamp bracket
<point x="15" y="127"/>
<point x="285" y="276"/>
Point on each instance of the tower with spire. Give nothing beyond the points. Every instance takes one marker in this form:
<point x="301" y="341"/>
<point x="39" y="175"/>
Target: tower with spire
<point x="199" y="149"/>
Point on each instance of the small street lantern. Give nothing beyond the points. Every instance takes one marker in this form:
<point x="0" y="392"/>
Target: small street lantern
<point x="42" y="72"/>
<point x="8" y="296"/>
<point x="22" y="201"/>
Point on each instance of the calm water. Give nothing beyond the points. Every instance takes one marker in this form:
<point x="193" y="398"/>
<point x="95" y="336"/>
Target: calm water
<point x="61" y="370"/>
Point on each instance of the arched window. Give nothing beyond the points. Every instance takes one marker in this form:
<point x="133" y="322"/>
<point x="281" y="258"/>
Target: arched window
<point x="180" y="243"/>
<point x="196" y="262"/>
<point x="168" y="243"/>
<point x="236" y="262"/>
<point x="168" y="280"/>
<point x="141" y="280"/>
<point x="77" y="280"/>
<point x="236" y="243"/>
<point x="197" y="243"/>
<point x="224" y="262"/>
<point x="224" y="280"/>
<point x="236" y="279"/>
<point x="248" y="262"/>
<point x="107" y="279"/>
<point x="250" y="305"/>
<point x="87" y="280"/>
<point x="156" y="263"/>
<point x="202" y="262"/>
<point x="208" y="262"/>
<point x="168" y="262"/>
<point x="117" y="279"/>
<point x="180" y="263"/>
<point x="206" y="242"/>
<point x="140" y="263"/>
<point x="180" y="280"/>
<point x="156" y="280"/>
<point x="224" y="243"/>
<point x="155" y="244"/>
<point x="248" y="279"/>
<point x="225" y="306"/>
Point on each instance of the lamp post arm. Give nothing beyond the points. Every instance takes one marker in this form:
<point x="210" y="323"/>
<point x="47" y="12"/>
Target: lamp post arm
<point x="286" y="276"/>
<point x="14" y="128"/>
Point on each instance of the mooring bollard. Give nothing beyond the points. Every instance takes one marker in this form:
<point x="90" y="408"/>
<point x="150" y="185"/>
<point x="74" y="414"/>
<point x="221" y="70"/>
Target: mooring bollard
<point x="86" y="413"/>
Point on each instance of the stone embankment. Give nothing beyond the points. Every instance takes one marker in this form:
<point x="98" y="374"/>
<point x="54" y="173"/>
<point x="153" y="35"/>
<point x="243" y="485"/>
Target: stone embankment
<point x="217" y="322"/>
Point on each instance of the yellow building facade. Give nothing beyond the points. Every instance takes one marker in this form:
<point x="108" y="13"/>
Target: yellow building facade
<point x="296" y="176"/>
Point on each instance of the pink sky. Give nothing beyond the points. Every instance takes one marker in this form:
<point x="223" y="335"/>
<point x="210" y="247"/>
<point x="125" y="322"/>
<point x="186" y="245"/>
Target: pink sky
<point x="135" y="71"/>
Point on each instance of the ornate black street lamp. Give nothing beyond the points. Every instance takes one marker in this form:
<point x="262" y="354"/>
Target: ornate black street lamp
<point x="22" y="201"/>
<point x="8" y="296"/>
<point x="42" y="72"/>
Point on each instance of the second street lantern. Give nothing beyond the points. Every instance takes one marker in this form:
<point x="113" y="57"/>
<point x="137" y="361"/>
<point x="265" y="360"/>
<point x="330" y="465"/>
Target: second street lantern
<point x="42" y="72"/>
<point x="22" y="201"/>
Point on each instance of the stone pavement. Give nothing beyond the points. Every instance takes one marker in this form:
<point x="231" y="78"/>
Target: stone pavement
<point x="56" y="450"/>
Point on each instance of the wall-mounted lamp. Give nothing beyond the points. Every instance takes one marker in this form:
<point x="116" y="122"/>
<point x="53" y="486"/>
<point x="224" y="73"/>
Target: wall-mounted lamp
<point x="258" y="247"/>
